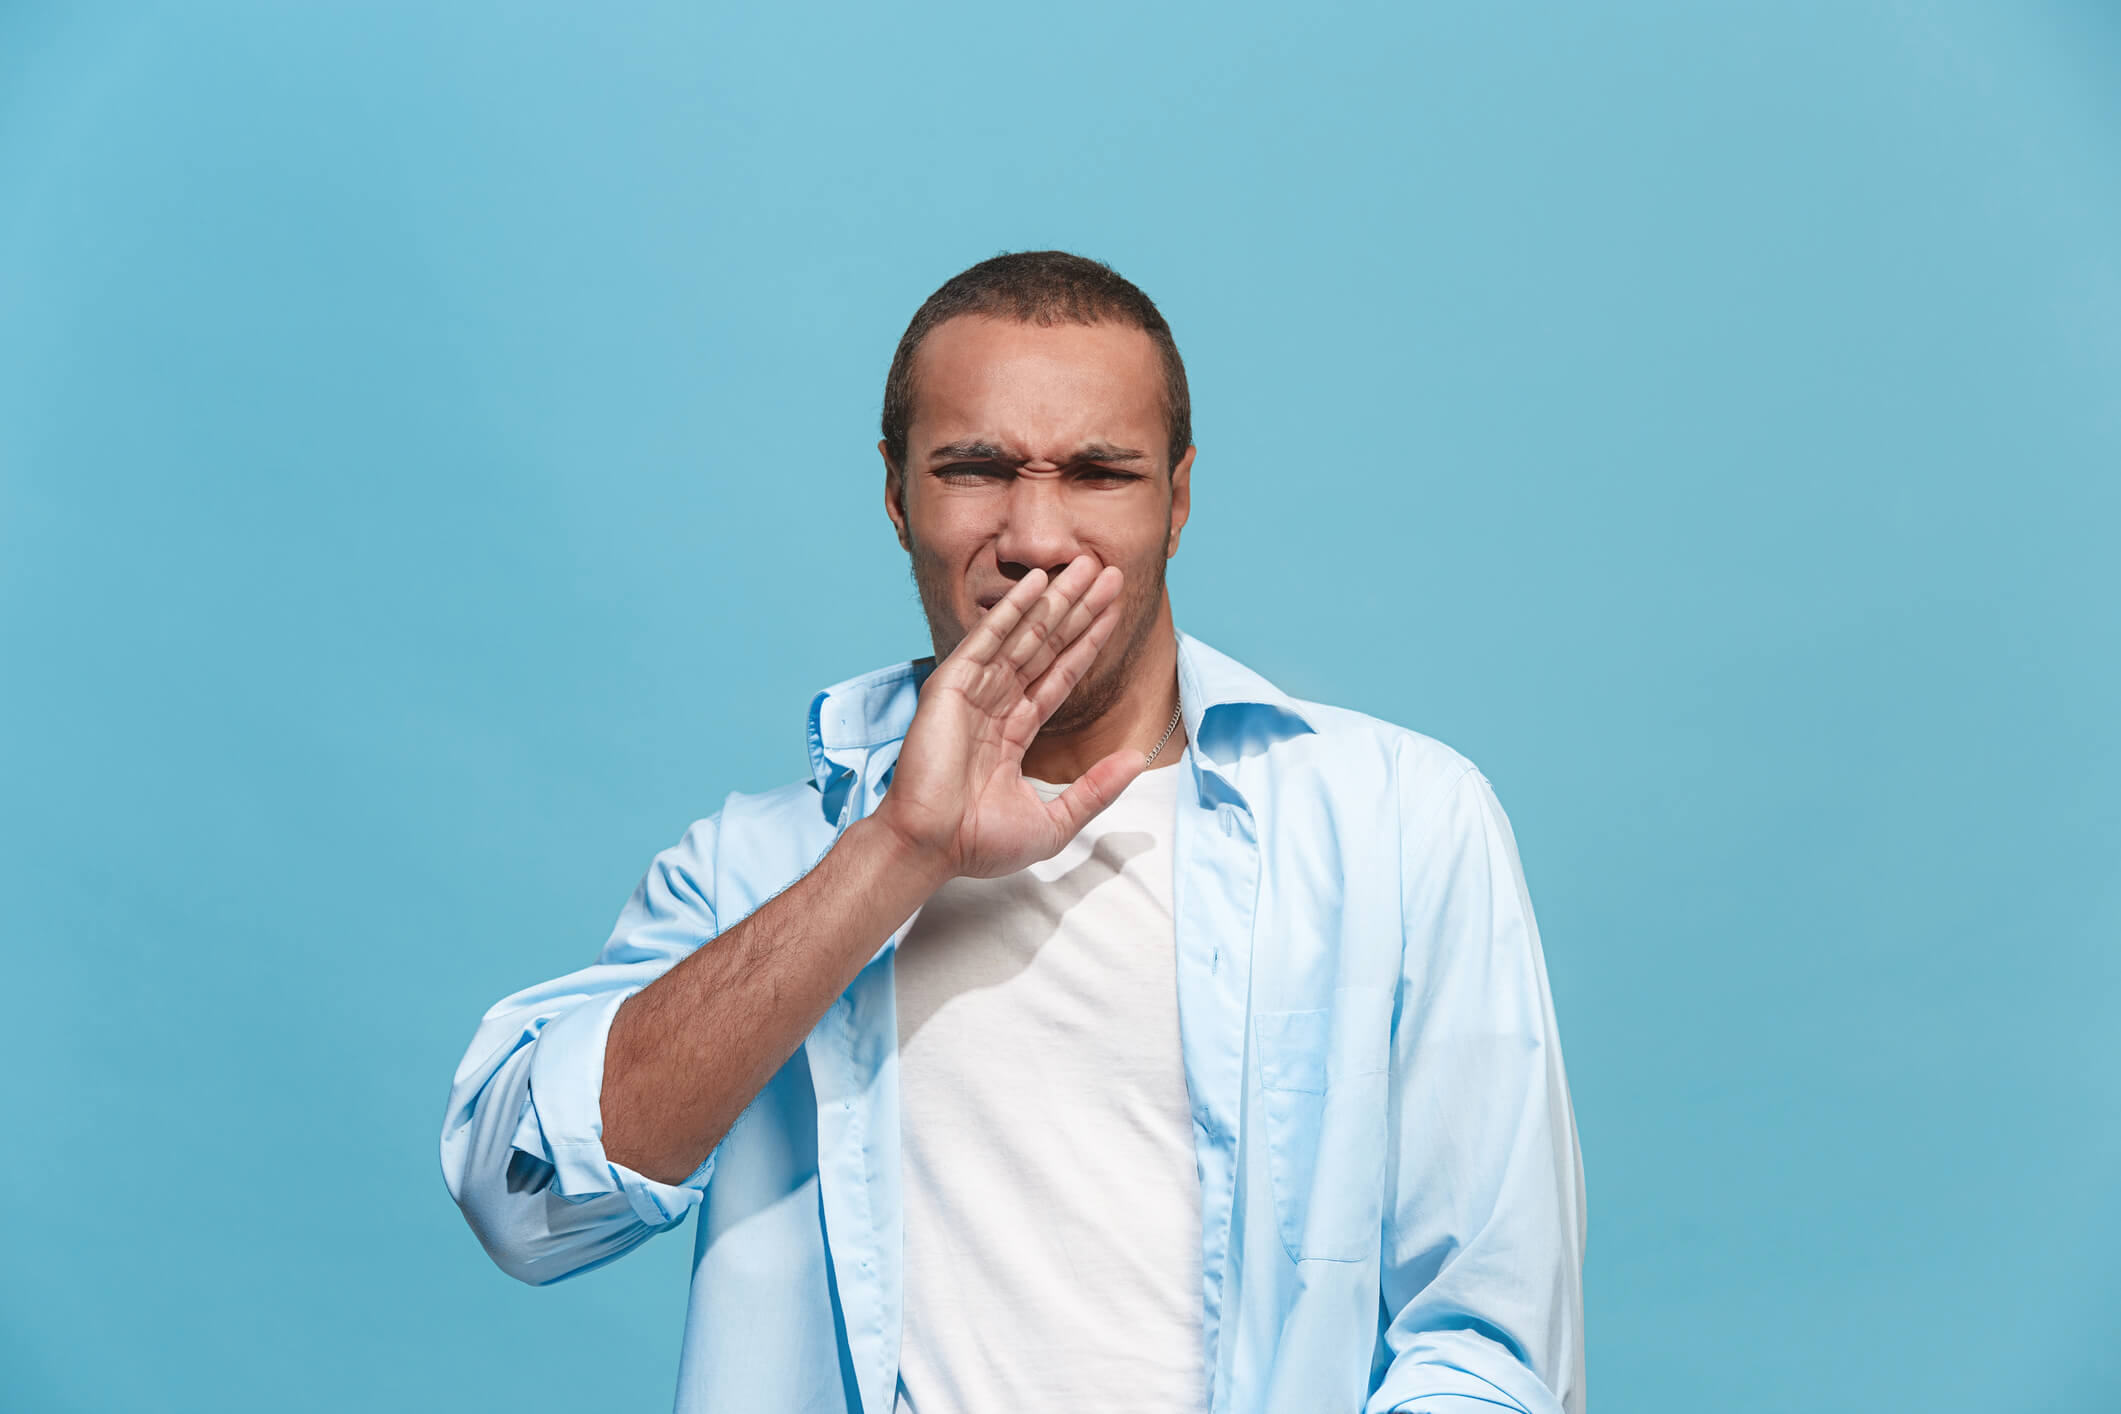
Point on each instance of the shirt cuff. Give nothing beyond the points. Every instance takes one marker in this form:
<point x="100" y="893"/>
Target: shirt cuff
<point x="563" y="1122"/>
<point x="1443" y="1389"/>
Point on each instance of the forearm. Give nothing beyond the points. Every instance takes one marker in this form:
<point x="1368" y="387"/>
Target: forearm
<point x="687" y="1053"/>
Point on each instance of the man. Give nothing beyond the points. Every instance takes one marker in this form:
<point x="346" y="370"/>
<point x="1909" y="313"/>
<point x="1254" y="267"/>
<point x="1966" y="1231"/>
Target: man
<point x="1098" y="1028"/>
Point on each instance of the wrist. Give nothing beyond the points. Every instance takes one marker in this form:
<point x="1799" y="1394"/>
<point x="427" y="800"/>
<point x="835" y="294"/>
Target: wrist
<point x="900" y="858"/>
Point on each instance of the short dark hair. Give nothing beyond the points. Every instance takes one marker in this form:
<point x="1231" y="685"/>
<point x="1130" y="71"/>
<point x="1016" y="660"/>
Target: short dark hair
<point x="1038" y="287"/>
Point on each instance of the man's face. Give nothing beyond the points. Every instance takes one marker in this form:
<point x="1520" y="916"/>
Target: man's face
<point x="1032" y="444"/>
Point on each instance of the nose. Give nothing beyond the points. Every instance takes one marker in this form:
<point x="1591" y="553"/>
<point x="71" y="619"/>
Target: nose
<point x="1036" y="531"/>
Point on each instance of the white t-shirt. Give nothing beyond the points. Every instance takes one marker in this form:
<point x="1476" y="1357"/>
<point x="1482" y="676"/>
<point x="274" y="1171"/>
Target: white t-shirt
<point x="1052" y="1201"/>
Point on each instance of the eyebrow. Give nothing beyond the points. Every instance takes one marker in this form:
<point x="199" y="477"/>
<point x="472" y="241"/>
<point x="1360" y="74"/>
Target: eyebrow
<point x="974" y="450"/>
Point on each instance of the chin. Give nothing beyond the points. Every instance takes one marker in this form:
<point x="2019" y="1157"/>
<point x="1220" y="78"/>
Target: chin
<point x="1090" y="700"/>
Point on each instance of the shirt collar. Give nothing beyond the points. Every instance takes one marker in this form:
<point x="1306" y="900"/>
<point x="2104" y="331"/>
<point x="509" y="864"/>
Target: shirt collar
<point x="1229" y="710"/>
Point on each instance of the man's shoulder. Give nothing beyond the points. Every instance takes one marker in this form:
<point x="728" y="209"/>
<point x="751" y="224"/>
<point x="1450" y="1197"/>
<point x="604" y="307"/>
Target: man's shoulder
<point x="753" y="845"/>
<point x="1383" y="781"/>
<point x="1344" y="738"/>
<point x="796" y="797"/>
<point x="1334" y="747"/>
<point x="792" y="812"/>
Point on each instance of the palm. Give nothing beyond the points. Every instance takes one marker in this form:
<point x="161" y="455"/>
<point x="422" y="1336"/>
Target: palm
<point x="958" y="787"/>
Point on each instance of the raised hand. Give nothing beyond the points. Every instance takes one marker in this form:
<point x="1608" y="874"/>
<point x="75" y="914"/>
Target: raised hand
<point x="958" y="793"/>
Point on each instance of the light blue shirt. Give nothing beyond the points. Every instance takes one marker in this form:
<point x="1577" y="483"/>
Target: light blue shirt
<point x="1392" y="1199"/>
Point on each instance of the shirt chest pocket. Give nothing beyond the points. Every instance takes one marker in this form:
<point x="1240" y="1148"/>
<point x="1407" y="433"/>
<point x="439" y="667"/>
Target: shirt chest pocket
<point x="1323" y="1083"/>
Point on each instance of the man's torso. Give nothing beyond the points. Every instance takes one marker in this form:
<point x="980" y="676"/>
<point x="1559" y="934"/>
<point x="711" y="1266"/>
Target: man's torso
<point x="1052" y="1205"/>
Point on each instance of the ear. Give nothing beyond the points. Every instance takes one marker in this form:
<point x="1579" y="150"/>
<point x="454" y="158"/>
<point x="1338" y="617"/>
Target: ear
<point x="1181" y="500"/>
<point x="894" y="496"/>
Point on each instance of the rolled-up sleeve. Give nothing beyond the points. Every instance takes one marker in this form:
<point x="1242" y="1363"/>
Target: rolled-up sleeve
<point x="522" y="1138"/>
<point x="1484" y="1232"/>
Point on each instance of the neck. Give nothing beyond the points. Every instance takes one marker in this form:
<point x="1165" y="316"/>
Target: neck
<point x="1135" y="720"/>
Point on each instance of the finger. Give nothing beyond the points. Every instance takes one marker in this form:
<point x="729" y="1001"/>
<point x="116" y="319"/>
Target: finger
<point x="994" y="627"/>
<point x="1054" y="685"/>
<point x="1095" y="789"/>
<point x="1102" y="591"/>
<point x="1051" y="609"/>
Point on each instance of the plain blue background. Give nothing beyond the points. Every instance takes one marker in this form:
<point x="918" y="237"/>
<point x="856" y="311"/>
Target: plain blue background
<point x="436" y="464"/>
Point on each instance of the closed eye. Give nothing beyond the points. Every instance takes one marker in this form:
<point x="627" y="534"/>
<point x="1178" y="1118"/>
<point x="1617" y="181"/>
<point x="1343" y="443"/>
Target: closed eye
<point x="998" y="471"/>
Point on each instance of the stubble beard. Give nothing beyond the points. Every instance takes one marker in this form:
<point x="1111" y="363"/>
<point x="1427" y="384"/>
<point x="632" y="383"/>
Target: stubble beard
<point x="1110" y="672"/>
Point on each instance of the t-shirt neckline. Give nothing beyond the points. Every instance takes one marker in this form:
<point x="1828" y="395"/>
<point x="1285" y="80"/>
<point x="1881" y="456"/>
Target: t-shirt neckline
<point x="1050" y="790"/>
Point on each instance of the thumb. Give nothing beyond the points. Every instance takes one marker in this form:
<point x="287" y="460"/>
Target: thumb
<point x="1095" y="789"/>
